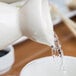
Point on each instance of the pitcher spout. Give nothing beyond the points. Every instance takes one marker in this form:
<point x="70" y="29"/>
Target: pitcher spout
<point x="36" y="23"/>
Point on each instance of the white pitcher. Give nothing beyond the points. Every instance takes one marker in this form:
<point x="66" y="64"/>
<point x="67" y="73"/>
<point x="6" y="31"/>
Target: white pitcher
<point x="32" y="20"/>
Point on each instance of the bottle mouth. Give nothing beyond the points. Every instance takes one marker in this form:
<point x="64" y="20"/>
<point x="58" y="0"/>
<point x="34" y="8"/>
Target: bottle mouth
<point x="3" y="52"/>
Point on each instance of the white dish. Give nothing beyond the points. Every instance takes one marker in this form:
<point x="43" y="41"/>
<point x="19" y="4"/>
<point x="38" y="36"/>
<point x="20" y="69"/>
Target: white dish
<point x="61" y="4"/>
<point x="47" y="67"/>
<point x="70" y="14"/>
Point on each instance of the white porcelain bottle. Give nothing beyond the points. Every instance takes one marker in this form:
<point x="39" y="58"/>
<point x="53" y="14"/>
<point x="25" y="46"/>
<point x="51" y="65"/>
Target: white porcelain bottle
<point x="32" y="20"/>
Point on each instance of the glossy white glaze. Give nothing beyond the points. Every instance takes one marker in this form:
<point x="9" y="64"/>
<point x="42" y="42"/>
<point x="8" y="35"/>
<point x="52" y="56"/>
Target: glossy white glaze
<point x="32" y="20"/>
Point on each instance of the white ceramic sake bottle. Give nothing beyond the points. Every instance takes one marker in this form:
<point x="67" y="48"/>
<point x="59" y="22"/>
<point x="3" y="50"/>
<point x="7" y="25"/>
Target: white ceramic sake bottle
<point x="32" y="20"/>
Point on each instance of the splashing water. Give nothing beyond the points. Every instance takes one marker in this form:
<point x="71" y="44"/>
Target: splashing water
<point x="57" y="52"/>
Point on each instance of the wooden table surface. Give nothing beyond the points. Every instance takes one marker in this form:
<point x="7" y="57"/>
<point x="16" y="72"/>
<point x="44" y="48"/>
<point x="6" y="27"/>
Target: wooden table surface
<point x="29" y="50"/>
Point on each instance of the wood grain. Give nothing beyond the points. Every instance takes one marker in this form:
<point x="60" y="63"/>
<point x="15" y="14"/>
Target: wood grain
<point x="29" y="50"/>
